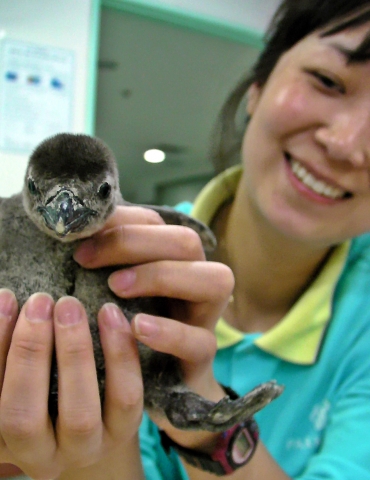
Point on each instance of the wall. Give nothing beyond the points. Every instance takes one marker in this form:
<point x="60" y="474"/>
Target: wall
<point x="236" y="20"/>
<point x="148" y="95"/>
<point x="252" y="14"/>
<point x="71" y="25"/>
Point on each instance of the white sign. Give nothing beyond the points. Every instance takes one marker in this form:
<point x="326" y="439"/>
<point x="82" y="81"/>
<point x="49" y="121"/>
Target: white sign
<point x="36" y="94"/>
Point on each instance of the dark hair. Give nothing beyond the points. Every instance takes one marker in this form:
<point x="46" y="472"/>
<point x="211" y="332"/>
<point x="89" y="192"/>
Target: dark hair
<point x="293" y="20"/>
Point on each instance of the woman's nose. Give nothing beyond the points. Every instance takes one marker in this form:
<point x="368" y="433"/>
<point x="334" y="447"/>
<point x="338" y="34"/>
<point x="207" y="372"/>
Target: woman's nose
<point x="347" y="137"/>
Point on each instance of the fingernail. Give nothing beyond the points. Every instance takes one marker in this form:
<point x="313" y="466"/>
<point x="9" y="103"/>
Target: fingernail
<point x="145" y="325"/>
<point x="39" y="308"/>
<point x="122" y="280"/>
<point x="85" y="252"/>
<point x="68" y="311"/>
<point x="7" y="304"/>
<point x="113" y="317"/>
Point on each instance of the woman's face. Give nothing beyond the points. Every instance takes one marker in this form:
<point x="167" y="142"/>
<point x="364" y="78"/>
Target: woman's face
<point x="306" y="151"/>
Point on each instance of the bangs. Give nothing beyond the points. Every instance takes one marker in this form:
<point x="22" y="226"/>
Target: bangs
<point x="362" y="52"/>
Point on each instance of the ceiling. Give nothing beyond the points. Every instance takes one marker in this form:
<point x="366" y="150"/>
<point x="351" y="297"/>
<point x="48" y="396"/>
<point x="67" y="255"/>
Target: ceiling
<point x="162" y="85"/>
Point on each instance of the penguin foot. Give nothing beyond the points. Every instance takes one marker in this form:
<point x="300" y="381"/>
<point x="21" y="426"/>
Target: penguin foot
<point x="189" y="411"/>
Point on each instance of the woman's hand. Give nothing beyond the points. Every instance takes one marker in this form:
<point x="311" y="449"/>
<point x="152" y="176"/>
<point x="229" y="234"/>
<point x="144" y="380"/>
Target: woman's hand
<point x="83" y="434"/>
<point x="168" y="261"/>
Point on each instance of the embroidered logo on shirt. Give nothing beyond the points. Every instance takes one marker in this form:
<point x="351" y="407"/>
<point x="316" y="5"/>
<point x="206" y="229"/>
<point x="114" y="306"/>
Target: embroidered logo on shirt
<point x="319" y="415"/>
<point x="318" y="418"/>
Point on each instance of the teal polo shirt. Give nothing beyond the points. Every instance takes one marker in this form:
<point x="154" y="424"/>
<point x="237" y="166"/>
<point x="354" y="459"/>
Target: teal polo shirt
<point x="320" y="351"/>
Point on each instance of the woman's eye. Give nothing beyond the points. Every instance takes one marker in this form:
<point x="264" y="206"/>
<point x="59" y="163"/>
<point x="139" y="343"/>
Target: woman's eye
<point x="327" y="82"/>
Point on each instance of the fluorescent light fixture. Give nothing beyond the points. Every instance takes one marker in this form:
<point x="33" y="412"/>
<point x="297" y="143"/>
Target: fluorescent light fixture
<point x="154" y="155"/>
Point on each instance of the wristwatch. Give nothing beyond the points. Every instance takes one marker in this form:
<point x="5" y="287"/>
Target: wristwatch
<point x="234" y="449"/>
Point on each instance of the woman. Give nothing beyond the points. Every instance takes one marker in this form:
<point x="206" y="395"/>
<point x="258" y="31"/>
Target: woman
<point x="299" y="310"/>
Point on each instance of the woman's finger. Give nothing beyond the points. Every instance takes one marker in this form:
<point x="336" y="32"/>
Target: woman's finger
<point x="194" y="281"/>
<point x="132" y="244"/>
<point x="24" y="422"/>
<point x="206" y="286"/>
<point x="123" y="402"/>
<point x="79" y="426"/>
<point x="133" y="214"/>
<point x="8" y="317"/>
<point x="194" y="345"/>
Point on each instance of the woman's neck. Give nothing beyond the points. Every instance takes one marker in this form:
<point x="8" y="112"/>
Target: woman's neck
<point x="271" y="271"/>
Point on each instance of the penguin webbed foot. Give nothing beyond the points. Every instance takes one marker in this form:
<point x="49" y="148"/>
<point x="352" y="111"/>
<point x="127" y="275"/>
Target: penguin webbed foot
<point x="189" y="411"/>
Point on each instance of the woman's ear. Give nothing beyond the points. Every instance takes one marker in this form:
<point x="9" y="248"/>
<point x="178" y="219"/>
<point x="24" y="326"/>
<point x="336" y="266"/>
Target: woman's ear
<point x="253" y="95"/>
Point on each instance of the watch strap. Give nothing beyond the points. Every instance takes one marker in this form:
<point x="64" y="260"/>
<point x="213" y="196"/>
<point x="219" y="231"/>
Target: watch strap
<point x="199" y="460"/>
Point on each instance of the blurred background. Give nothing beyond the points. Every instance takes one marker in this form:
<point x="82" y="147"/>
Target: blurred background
<point x="141" y="75"/>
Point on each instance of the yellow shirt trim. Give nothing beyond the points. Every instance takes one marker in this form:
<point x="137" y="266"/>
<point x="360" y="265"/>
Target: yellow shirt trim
<point x="298" y="336"/>
<point x="227" y="335"/>
<point x="215" y="193"/>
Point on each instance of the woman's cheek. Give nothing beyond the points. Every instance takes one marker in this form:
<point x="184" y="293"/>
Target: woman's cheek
<point x="288" y="109"/>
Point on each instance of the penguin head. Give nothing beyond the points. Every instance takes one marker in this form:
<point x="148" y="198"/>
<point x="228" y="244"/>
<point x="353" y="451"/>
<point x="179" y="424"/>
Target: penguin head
<point x="71" y="186"/>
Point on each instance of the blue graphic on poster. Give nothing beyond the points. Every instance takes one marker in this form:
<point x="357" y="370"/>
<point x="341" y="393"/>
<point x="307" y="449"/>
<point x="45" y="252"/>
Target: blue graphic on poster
<point x="36" y="93"/>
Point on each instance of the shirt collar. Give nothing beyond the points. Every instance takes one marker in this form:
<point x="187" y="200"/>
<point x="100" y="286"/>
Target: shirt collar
<point x="298" y="336"/>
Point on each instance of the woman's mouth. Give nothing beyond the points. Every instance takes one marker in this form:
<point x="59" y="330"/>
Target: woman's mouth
<point x="318" y="186"/>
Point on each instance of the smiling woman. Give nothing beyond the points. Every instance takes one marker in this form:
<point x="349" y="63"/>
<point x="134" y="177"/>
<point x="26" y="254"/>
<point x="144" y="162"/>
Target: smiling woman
<point x="313" y="157"/>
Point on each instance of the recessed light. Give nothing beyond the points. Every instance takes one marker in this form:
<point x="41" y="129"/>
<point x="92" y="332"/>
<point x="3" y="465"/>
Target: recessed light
<point x="154" y="155"/>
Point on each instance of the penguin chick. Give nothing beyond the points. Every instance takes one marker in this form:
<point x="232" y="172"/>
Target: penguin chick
<point x="71" y="187"/>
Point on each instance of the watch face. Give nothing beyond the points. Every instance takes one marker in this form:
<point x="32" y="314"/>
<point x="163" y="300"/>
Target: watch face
<point x="243" y="447"/>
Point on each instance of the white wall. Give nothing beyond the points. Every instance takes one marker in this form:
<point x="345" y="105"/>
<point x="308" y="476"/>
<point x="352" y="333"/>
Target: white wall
<point x="252" y="14"/>
<point x="67" y="24"/>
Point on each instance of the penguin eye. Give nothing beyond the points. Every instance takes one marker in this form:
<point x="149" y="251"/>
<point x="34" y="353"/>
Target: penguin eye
<point x="104" y="190"/>
<point x="32" y="187"/>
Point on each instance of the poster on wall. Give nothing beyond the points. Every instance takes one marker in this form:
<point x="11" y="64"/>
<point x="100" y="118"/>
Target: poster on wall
<point x="36" y="94"/>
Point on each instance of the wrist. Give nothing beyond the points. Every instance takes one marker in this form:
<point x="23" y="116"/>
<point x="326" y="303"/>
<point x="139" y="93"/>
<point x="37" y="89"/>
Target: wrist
<point x="231" y="450"/>
<point x="218" y="453"/>
<point x="200" y="440"/>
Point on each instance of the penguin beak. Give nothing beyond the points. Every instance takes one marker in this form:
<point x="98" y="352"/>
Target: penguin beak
<point x="65" y="213"/>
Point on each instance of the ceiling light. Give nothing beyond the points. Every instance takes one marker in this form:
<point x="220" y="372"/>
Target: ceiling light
<point x="154" y="155"/>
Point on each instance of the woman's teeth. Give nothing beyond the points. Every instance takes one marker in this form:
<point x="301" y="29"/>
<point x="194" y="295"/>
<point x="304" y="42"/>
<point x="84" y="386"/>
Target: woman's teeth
<point x="318" y="186"/>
